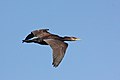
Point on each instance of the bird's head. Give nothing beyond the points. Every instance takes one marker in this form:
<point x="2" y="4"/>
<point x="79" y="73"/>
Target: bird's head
<point x="74" y="38"/>
<point x="66" y="38"/>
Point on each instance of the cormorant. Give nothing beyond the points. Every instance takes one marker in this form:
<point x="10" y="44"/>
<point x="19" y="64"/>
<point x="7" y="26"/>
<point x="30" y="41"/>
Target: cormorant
<point x="43" y="37"/>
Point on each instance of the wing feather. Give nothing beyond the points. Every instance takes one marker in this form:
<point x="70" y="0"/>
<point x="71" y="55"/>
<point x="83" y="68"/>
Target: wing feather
<point x="59" y="49"/>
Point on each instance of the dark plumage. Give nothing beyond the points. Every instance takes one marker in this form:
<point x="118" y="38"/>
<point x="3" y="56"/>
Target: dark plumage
<point x="56" y="42"/>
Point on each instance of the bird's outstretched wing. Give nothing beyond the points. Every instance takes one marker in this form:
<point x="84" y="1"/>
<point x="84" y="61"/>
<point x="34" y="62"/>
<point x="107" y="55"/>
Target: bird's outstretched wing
<point x="41" y="33"/>
<point x="29" y="36"/>
<point x="37" y="33"/>
<point x="59" y="49"/>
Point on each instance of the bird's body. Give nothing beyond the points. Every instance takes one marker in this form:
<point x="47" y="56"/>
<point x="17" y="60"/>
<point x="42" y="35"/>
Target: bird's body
<point x="56" y="42"/>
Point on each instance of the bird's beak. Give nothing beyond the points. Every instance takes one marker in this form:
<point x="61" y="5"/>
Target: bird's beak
<point x="77" y="39"/>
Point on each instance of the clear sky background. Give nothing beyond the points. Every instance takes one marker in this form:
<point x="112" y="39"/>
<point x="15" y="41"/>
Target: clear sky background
<point x="95" y="57"/>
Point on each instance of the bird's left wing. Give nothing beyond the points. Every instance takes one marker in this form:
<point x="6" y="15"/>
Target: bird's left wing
<point x="59" y="49"/>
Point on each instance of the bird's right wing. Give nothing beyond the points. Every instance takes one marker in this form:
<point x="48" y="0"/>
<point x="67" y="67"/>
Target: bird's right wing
<point x="59" y="49"/>
<point x="40" y="33"/>
<point x="37" y="33"/>
<point x="29" y="36"/>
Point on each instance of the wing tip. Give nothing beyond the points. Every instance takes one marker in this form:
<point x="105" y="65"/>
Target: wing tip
<point x="55" y="65"/>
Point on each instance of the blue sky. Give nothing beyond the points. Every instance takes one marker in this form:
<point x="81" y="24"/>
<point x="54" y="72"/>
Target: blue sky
<point x="95" y="57"/>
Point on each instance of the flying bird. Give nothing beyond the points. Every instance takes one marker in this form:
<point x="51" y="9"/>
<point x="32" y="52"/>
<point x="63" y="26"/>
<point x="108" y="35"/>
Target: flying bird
<point x="57" y="43"/>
